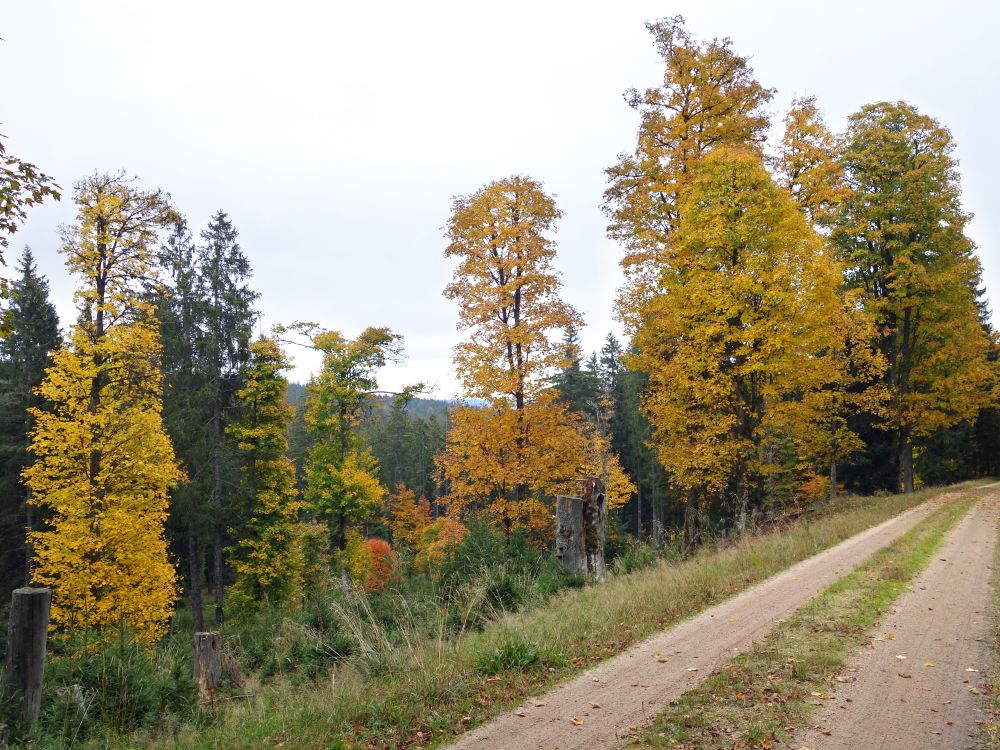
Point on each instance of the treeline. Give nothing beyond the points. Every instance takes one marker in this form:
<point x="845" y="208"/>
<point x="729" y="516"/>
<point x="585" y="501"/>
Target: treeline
<point x="801" y="317"/>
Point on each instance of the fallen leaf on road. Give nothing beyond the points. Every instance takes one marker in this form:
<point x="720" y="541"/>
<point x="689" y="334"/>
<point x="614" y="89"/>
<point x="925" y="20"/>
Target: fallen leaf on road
<point x="928" y="664"/>
<point x="519" y="713"/>
<point x="970" y="669"/>
<point x="576" y="722"/>
<point x="595" y="705"/>
<point x="693" y="669"/>
<point x="905" y="675"/>
<point x="900" y="656"/>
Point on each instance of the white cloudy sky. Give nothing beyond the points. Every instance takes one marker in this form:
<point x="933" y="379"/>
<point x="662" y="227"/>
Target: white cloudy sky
<point x="335" y="134"/>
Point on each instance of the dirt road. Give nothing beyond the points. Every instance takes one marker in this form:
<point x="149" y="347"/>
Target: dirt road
<point x="607" y="703"/>
<point x="915" y="687"/>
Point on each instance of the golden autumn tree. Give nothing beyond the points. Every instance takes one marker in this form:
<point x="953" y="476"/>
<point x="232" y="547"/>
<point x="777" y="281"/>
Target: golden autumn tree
<point x="523" y="444"/>
<point x="409" y="516"/>
<point x="709" y="98"/>
<point x="103" y="462"/>
<point x="808" y="166"/>
<point x="901" y="235"/>
<point x="746" y="307"/>
<point x="808" y="163"/>
<point x="266" y="556"/>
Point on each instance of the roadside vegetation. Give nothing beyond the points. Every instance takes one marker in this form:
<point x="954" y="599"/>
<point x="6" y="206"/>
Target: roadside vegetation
<point x="423" y="659"/>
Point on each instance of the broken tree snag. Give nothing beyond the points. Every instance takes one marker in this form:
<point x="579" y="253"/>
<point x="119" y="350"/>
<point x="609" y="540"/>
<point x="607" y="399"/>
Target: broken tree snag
<point x="582" y="531"/>
<point x="207" y="665"/>
<point x="595" y="527"/>
<point x="570" y="535"/>
<point x="27" y="637"/>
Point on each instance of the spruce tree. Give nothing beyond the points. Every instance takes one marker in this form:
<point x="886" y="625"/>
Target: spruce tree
<point x="24" y="355"/>
<point x="224" y="273"/>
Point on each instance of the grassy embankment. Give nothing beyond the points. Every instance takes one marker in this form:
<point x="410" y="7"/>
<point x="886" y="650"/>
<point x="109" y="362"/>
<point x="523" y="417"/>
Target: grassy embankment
<point x="757" y="699"/>
<point x="413" y="691"/>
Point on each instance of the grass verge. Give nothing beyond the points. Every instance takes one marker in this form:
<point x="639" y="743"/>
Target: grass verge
<point x="428" y="691"/>
<point x="758" y="698"/>
<point x="989" y="730"/>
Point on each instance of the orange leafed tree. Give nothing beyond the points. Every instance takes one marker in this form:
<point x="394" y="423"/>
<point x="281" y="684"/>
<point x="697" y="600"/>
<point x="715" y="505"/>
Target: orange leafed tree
<point x="410" y="515"/>
<point x="523" y="445"/>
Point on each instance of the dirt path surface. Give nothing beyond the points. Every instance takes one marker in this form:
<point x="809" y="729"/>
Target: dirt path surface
<point x="914" y="688"/>
<point x="608" y="702"/>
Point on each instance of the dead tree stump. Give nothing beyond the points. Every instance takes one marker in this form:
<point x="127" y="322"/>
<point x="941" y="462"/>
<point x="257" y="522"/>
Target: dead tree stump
<point x="582" y="531"/>
<point x="595" y="525"/>
<point x="570" y="535"/>
<point x="27" y="637"/>
<point x="207" y="666"/>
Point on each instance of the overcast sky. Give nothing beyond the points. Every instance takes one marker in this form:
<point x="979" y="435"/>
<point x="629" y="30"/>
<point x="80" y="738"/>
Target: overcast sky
<point x="335" y="134"/>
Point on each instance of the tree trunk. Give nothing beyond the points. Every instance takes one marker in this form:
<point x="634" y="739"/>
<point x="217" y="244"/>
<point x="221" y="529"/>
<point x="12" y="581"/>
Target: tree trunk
<point x="638" y="512"/>
<point x="906" y="464"/>
<point x="217" y="574"/>
<point x="833" y="476"/>
<point x="194" y="571"/>
<point x="29" y="550"/>
<point x="691" y="522"/>
<point x="216" y="500"/>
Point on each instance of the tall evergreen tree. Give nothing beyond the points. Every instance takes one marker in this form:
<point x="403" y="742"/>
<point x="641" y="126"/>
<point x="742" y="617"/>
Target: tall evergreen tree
<point x="577" y="384"/>
<point x="228" y="326"/>
<point x="24" y="355"/>
<point x="187" y="402"/>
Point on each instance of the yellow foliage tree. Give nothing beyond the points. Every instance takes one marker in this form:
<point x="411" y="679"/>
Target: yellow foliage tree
<point x="744" y="317"/>
<point x="709" y="98"/>
<point x="808" y="163"/>
<point x="103" y="460"/>
<point x="437" y="543"/>
<point x="268" y="557"/>
<point x="525" y="444"/>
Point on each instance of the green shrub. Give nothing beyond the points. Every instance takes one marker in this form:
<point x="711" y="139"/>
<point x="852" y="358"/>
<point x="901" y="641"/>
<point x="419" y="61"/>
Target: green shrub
<point x="118" y="688"/>
<point x="511" y="655"/>
<point x="301" y="643"/>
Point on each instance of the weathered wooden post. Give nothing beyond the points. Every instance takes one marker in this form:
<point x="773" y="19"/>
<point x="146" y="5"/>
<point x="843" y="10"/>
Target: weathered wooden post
<point x="207" y="665"/>
<point x="27" y="637"/>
